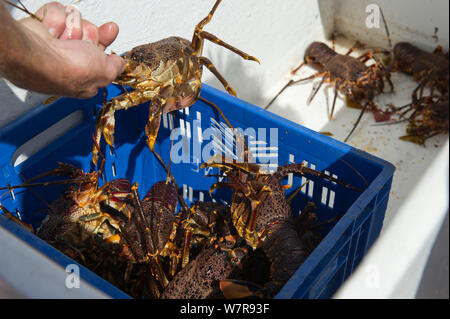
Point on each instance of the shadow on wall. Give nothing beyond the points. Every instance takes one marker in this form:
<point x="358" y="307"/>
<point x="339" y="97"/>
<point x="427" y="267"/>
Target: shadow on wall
<point x="233" y="69"/>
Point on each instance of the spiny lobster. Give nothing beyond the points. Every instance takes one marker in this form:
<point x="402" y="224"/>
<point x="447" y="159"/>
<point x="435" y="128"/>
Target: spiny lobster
<point x="168" y="74"/>
<point x="262" y="215"/>
<point x="349" y="75"/>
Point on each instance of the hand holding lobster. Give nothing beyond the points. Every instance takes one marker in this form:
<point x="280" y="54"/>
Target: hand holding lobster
<point x="75" y="68"/>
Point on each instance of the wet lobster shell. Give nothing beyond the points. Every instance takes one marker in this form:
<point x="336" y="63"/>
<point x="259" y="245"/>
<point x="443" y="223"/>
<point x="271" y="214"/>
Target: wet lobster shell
<point x="219" y="257"/>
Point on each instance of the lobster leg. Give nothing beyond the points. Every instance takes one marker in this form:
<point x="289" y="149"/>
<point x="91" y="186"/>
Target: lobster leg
<point x="154" y="120"/>
<point x="302" y="170"/>
<point x="357" y="45"/>
<point x="334" y="102"/>
<point x="206" y="62"/>
<point x="218" y="110"/>
<point x="10" y="216"/>
<point x="291" y="82"/>
<point x="420" y="86"/>
<point x="438" y="50"/>
<point x="316" y="89"/>
<point x="369" y="55"/>
<point x="357" y="121"/>
<point x="204" y="35"/>
<point x="279" y="93"/>
<point x="234" y="185"/>
<point x="379" y="64"/>
<point x="148" y="243"/>
<point x="197" y="42"/>
<point x="244" y="221"/>
<point x="200" y="36"/>
<point x="317" y="75"/>
<point x="297" y="68"/>
<point x="105" y="119"/>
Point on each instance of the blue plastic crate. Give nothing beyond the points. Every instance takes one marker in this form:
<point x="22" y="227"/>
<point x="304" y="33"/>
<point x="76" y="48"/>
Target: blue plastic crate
<point x="345" y="243"/>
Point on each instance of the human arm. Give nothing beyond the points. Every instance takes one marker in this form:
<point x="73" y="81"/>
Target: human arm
<point x="50" y="57"/>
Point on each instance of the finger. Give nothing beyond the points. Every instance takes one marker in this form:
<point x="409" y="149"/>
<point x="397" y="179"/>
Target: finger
<point x="108" y="33"/>
<point x="73" y="30"/>
<point x="53" y="17"/>
<point x="90" y="32"/>
<point x="115" y="65"/>
<point x="88" y="93"/>
<point x="101" y="46"/>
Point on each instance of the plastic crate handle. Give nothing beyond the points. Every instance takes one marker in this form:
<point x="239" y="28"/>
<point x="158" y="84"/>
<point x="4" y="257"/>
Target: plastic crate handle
<point x="44" y="126"/>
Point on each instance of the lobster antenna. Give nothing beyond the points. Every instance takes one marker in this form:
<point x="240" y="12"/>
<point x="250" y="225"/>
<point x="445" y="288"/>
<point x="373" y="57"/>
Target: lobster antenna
<point x="388" y="35"/>
<point x="295" y="193"/>
<point x="278" y="94"/>
<point x="60" y="182"/>
<point x="23" y="9"/>
<point x="37" y="195"/>
<point x="167" y="179"/>
<point x="356" y="171"/>
<point x="218" y="110"/>
<point x="183" y="203"/>
<point x="363" y="110"/>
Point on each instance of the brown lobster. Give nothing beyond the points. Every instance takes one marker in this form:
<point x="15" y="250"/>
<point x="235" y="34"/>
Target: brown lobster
<point x="168" y="74"/>
<point x="107" y="228"/>
<point x="349" y="75"/>
<point x="428" y="69"/>
<point x="429" y="115"/>
<point x="221" y="252"/>
<point x="262" y="216"/>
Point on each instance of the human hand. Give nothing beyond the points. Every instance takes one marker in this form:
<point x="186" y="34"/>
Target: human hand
<point x="80" y="66"/>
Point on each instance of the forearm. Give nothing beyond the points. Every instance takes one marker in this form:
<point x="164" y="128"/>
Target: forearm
<point x="23" y="60"/>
